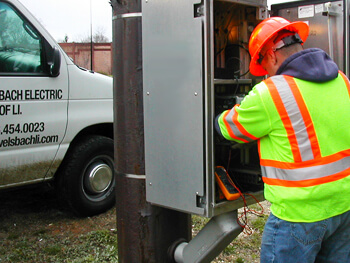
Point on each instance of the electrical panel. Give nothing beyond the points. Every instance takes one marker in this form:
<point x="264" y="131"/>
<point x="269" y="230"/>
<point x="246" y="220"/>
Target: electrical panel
<point x="196" y="65"/>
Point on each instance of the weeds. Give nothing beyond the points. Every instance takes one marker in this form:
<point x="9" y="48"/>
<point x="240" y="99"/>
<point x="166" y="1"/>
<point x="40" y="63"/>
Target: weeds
<point x="52" y="236"/>
<point x="53" y="250"/>
<point x="95" y="246"/>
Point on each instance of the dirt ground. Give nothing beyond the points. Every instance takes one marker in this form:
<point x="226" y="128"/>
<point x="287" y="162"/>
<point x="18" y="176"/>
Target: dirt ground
<point x="38" y="207"/>
<point x="36" y="227"/>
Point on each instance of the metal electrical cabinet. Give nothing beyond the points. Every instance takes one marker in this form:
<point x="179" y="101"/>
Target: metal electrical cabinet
<point x="195" y="65"/>
<point x="329" y="25"/>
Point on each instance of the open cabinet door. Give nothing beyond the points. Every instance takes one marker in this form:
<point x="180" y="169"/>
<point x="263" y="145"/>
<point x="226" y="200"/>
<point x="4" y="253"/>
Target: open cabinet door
<point x="172" y="37"/>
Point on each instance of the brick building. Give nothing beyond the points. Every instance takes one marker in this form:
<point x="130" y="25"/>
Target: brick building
<point x="81" y="55"/>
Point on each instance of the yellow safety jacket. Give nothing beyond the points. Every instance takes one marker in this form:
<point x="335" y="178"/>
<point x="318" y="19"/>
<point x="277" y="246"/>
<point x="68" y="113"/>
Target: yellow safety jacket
<point x="303" y="133"/>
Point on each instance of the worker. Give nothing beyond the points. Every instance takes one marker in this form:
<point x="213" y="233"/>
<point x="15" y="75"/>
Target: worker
<point x="300" y="117"/>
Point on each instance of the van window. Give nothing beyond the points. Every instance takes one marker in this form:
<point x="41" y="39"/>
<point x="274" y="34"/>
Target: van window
<point x="20" y="44"/>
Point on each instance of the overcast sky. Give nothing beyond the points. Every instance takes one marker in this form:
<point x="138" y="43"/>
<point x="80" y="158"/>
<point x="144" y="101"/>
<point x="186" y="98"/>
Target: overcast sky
<point x="72" y="17"/>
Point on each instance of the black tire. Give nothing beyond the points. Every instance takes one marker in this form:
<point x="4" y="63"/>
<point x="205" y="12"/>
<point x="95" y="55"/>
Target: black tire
<point x="86" y="179"/>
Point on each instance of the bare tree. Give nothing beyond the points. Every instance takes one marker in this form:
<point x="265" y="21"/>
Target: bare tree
<point x="97" y="37"/>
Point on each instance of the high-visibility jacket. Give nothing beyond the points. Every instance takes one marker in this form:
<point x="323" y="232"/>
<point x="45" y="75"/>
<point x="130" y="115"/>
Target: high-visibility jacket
<point x="303" y="133"/>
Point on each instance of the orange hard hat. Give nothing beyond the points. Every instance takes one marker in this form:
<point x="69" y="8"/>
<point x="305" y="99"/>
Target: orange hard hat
<point x="265" y="31"/>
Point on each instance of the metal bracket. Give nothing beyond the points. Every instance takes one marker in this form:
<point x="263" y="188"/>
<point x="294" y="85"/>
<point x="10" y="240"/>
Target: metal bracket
<point x="262" y="13"/>
<point x="198" y="10"/>
<point x="332" y="11"/>
<point x="210" y="241"/>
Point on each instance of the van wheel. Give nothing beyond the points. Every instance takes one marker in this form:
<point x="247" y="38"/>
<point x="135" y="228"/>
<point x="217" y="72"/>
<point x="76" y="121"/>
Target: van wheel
<point x="87" y="180"/>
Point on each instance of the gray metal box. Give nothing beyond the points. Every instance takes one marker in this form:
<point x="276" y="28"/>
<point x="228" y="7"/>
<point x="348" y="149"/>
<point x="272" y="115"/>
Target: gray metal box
<point x="179" y="59"/>
<point x="329" y="25"/>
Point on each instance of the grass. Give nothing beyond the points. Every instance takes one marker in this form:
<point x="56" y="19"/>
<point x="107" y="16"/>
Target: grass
<point x="94" y="246"/>
<point x="101" y="246"/>
<point x="48" y="235"/>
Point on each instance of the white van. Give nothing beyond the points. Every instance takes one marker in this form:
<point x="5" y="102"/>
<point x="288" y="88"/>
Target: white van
<point x="56" y="119"/>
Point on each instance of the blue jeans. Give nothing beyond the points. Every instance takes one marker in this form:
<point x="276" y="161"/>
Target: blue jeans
<point x="326" y="241"/>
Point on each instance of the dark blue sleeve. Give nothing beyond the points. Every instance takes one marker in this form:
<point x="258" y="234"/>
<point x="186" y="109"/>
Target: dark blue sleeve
<point x="216" y="125"/>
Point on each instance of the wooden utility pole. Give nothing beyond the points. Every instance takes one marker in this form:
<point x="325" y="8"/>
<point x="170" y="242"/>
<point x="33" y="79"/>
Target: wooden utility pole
<point x="145" y="231"/>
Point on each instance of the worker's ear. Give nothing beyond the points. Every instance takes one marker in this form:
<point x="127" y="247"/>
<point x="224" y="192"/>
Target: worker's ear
<point x="272" y="57"/>
<point x="271" y="64"/>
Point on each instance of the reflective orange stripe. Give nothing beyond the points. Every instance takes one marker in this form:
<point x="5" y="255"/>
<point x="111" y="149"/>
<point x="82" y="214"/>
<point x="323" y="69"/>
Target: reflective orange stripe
<point x="308" y="167"/>
<point x="346" y="80"/>
<point x="285" y="119"/>
<point x="319" y="161"/>
<point x="240" y="127"/>
<point x="306" y="116"/>
<point x="229" y="130"/>
<point x="310" y="182"/>
<point x="306" y="173"/>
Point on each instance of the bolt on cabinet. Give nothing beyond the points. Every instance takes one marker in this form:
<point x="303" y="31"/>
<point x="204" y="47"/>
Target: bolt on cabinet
<point x="195" y="65"/>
